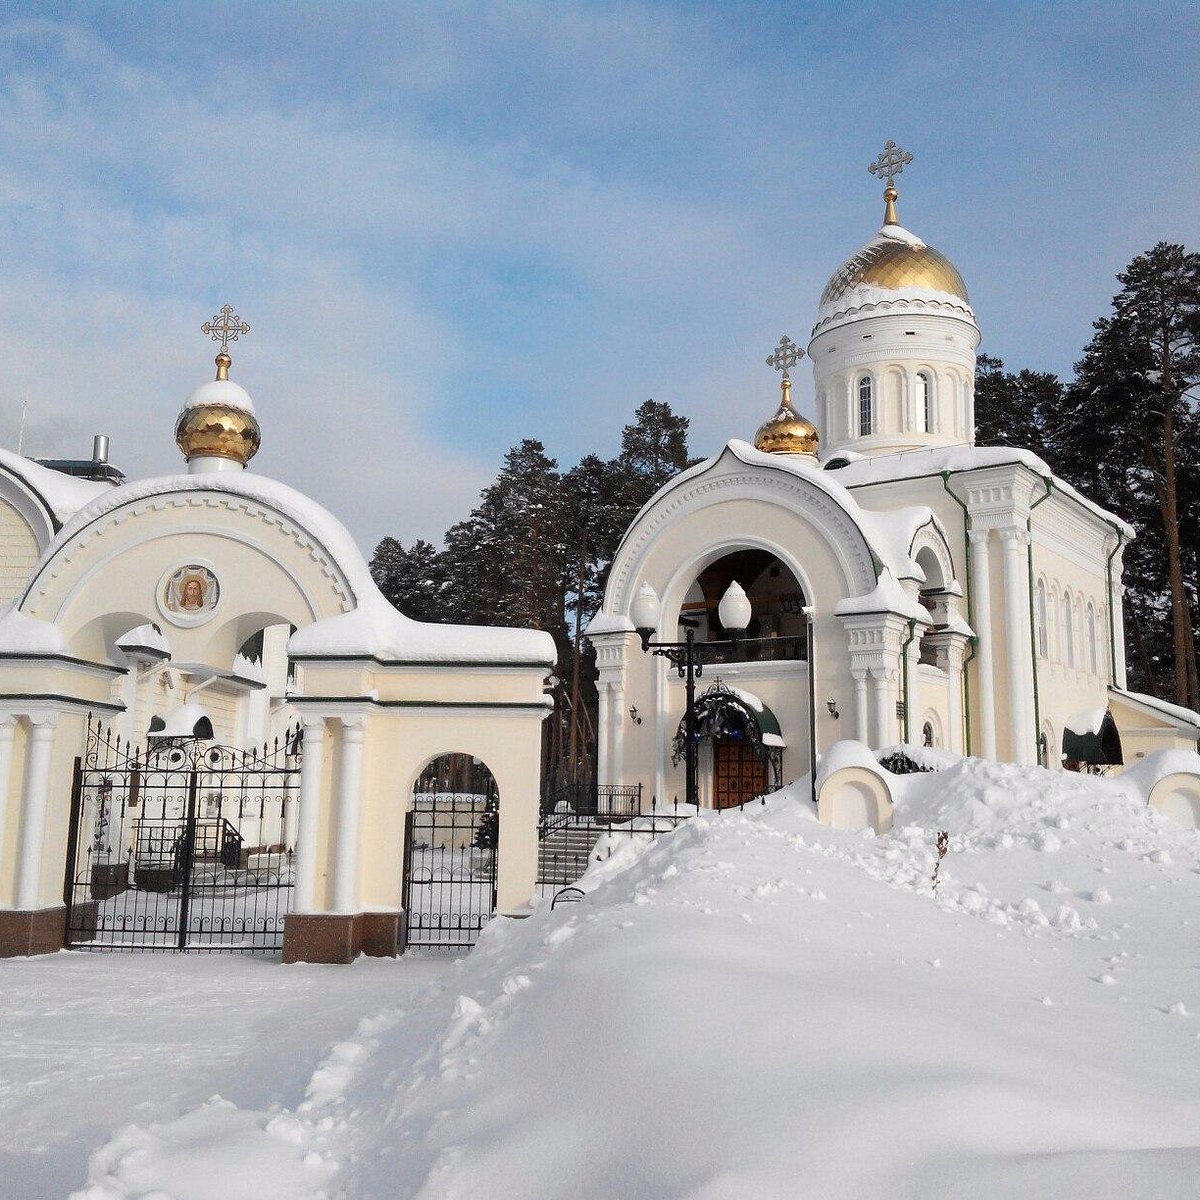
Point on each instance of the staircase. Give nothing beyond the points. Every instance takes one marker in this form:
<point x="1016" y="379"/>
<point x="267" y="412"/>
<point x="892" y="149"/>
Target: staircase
<point x="563" y="854"/>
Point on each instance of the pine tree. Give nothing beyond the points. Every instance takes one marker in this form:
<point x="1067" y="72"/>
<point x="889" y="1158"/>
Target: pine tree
<point x="1010" y="410"/>
<point x="1159" y="304"/>
<point x="414" y="581"/>
<point x="654" y="450"/>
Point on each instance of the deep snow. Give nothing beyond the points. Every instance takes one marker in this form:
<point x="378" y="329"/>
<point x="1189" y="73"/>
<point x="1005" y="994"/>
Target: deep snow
<point x="755" y="1006"/>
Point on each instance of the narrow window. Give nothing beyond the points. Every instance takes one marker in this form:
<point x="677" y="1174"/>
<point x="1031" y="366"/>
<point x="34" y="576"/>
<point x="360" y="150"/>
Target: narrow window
<point x="927" y="734"/>
<point x="1043" y="633"/>
<point x="866" y="418"/>
<point x="924" y="396"/>
<point x="1068" y="639"/>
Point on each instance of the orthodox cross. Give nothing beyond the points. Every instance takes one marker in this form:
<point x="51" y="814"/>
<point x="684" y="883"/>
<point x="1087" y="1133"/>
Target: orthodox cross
<point x="225" y="327"/>
<point x="785" y="356"/>
<point x="891" y="162"/>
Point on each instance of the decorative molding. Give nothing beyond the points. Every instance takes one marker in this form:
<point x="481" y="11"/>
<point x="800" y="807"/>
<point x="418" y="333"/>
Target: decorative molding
<point x="809" y="503"/>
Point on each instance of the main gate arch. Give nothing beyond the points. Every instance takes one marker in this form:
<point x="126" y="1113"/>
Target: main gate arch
<point x="181" y="844"/>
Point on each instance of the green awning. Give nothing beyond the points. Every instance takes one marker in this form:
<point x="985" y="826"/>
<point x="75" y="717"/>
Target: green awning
<point x="1092" y="738"/>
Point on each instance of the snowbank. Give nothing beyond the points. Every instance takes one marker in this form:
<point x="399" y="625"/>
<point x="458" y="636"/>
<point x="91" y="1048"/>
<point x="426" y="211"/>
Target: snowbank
<point x="760" y="1006"/>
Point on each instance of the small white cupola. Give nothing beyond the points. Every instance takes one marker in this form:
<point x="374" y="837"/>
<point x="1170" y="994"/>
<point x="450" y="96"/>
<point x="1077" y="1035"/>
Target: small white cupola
<point x="893" y="348"/>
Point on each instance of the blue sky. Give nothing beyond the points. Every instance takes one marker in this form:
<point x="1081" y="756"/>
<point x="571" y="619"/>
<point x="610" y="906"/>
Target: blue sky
<point x="456" y="225"/>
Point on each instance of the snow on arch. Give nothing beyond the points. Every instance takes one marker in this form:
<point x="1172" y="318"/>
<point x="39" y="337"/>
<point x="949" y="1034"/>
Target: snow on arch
<point x="857" y="539"/>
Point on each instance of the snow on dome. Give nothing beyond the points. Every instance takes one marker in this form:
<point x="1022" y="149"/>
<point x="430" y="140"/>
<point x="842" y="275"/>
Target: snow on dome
<point x="221" y="391"/>
<point x="895" y="260"/>
<point x="20" y="634"/>
<point x="144" y="639"/>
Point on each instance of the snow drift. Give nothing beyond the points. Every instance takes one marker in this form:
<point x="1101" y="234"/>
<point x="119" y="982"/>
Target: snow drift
<point x="757" y="1005"/>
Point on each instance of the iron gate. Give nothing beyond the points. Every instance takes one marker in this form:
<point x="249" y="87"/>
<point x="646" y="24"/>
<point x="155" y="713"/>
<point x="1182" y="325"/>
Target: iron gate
<point x="450" y="842"/>
<point x="181" y="845"/>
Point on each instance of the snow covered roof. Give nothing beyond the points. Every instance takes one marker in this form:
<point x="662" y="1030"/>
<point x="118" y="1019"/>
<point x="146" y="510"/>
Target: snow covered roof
<point x="888" y="596"/>
<point x="146" y="640"/>
<point x="911" y="464"/>
<point x="188" y="720"/>
<point x="1173" y="713"/>
<point x="63" y="495"/>
<point x="374" y="628"/>
<point x="844" y="754"/>
<point x="20" y="634"/>
<point x="377" y="630"/>
<point x="1145" y="773"/>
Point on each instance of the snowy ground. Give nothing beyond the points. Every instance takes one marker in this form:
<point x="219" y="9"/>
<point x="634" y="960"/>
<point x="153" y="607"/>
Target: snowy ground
<point x="754" y="1006"/>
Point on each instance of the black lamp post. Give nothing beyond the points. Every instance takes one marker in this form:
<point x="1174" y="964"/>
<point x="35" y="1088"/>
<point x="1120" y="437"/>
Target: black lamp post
<point x="685" y="656"/>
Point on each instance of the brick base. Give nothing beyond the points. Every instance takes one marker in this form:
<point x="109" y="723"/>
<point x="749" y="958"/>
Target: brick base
<point x="37" y="931"/>
<point x="342" y="937"/>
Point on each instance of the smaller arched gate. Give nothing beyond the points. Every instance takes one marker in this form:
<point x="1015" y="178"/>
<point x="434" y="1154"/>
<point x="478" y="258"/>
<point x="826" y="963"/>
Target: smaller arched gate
<point x="181" y="844"/>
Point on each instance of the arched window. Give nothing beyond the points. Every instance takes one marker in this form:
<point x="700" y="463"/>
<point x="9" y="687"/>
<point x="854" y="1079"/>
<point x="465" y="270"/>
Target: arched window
<point x="866" y="417"/>
<point x="924" y="403"/>
<point x="1043" y="630"/>
<point x="1068" y="635"/>
<point x="1092" y="657"/>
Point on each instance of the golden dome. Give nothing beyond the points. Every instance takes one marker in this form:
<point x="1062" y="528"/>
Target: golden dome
<point x="218" y="420"/>
<point x="895" y="260"/>
<point x="218" y="431"/>
<point x="787" y="432"/>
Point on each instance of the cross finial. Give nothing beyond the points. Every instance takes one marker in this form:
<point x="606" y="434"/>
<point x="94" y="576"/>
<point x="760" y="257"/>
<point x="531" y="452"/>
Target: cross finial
<point x="225" y="327"/>
<point x="785" y="356"/>
<point x="887" y="166"/>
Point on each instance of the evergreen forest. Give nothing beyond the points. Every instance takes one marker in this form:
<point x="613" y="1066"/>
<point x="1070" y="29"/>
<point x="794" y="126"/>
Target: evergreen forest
<point x="1124" y="430"/>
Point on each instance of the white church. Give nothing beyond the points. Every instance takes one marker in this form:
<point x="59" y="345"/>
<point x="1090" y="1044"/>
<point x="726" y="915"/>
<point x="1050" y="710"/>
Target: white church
<point x="903" y="584"/>
<point x="216" y="733"/>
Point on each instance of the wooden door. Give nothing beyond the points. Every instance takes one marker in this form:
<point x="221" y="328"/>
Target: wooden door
<point x="738" y="774"/>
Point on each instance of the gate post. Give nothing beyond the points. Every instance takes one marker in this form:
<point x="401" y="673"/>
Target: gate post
<point x="188" y="853"/>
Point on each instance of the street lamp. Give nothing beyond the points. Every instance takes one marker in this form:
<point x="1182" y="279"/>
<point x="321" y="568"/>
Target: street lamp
<point x="646" y="612"/>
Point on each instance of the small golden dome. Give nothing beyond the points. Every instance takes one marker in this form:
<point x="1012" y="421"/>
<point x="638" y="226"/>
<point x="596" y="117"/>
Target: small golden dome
<point x="894" y="263"/>
<point x="787" y="432"/>
<point x="218" y="431"/>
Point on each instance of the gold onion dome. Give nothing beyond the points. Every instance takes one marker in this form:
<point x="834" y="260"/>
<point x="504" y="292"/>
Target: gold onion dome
<point x="787" y="432"/>
<point x="218" y="420"/>
<point x="894" y="260"/>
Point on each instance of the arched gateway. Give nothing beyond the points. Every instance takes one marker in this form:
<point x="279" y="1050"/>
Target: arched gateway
<point x="207" y="618"/>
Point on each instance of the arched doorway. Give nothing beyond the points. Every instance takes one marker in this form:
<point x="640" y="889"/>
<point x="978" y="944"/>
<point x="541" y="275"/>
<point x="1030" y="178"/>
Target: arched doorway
<point x="777" y="631"/>
<point x="742" y="736"/>
<point x="451" y="838"/>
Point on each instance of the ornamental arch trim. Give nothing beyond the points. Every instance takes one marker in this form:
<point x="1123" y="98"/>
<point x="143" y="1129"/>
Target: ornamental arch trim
<point x="202" y="504"/>
<point x="802" y="499"/>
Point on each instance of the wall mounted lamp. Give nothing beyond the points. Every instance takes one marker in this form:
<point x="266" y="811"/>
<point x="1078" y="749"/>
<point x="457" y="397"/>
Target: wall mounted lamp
<point x="831" y="704"/>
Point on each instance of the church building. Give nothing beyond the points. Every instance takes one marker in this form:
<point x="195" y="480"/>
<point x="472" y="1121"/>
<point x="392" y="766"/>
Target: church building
<point x="903" y="583"/>
<point x="211" y="715"/>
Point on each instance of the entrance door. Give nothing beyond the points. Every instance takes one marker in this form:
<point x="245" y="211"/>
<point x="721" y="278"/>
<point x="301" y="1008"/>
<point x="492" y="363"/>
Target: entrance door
<point x="738" y="774"/>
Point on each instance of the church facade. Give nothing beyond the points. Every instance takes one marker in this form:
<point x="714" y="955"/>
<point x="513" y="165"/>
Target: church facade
<point x="905" y="584"/>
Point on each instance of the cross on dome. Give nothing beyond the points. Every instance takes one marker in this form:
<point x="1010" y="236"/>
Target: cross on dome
<point x="785" y="356"/>
<point x="887" y="166"/>
<point x="225" y="327"/>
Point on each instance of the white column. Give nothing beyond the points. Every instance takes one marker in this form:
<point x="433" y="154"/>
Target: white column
<point x="954" y="713"/>
<point x="312" y="775"/>
<point x="349" y="809"/>
<point x="883" y="720"/>
<point x="616" y="713"/>
<point x="862" y="730"/>
<point x="981" y="616"/>
<point x="8" y="728"/>
<point x="604" y="733"/>
<point x="1022" y="736"/>
<point x="34" y="803"/>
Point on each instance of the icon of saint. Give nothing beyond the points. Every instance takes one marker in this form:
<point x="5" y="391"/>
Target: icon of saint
<point x="191" y="598"/>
